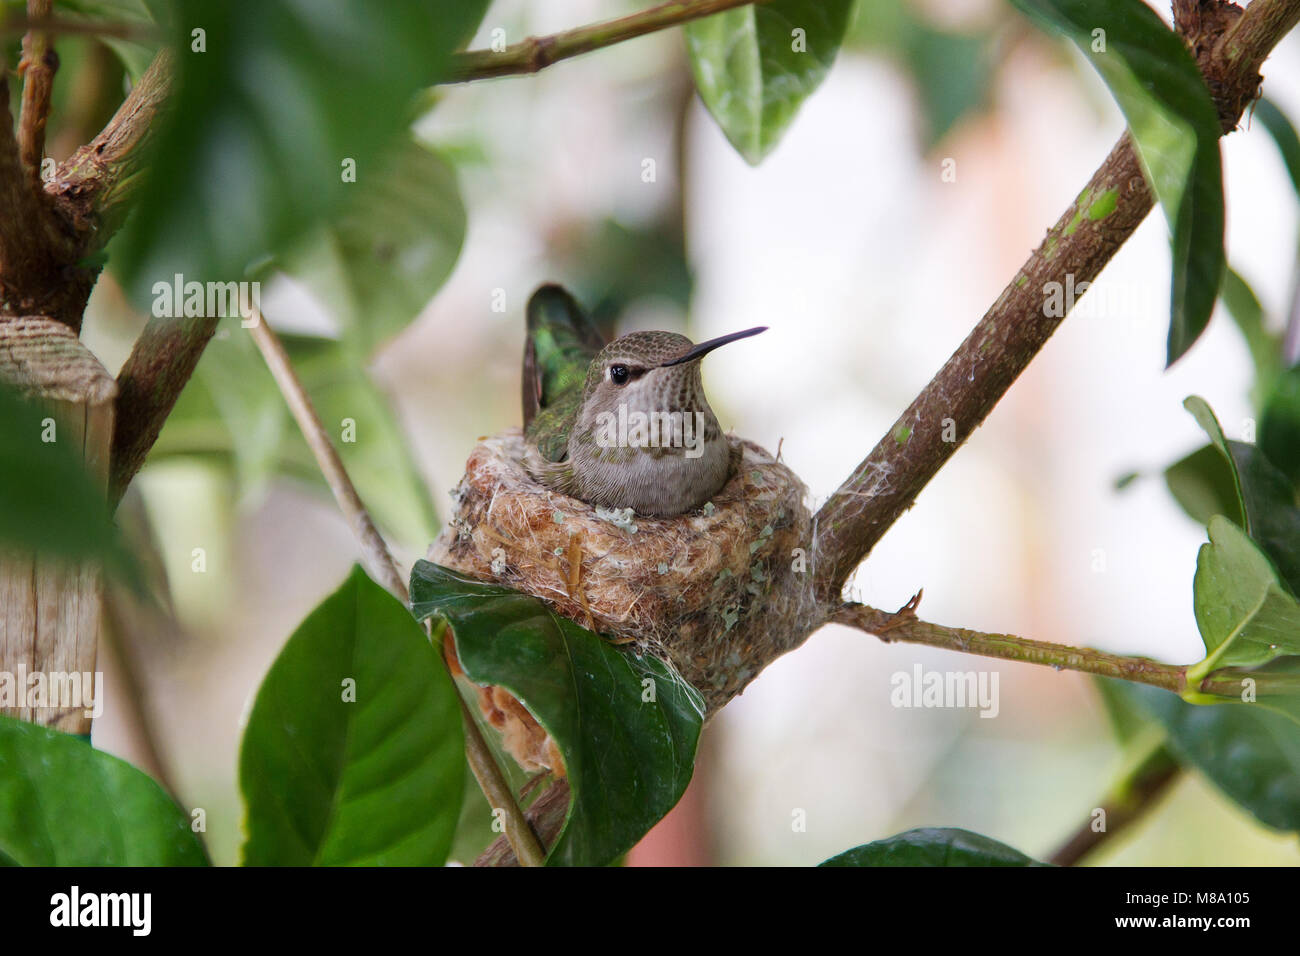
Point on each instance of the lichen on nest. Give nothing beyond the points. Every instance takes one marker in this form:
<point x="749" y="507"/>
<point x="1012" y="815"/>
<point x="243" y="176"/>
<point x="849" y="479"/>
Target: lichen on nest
<point x="718" y="593"/>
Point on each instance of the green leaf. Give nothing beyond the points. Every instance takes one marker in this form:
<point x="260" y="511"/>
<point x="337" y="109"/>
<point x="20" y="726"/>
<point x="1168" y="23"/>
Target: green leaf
<point x="379" y="262"/>
<point x="1243" y="611"/>
<point x="1266" y="499"/>
<point x="49" y="504"/>
<point x="933" y="846"/>
<point x="232" y="414"/>
<point x="1279" y="427"/>
<point x="1249" y="752"/>
<point x="1175" y="130"/>
<point x="754" y="71"/>
<point x="1265" y="346"/>
<point x="372" y="781"/>
<point x="64" y="803"/>
<point x="628" y="759"/>
<point x="264" y="117"/>
<point x="1202" y="483"/>
<point x="1284" y="135"/>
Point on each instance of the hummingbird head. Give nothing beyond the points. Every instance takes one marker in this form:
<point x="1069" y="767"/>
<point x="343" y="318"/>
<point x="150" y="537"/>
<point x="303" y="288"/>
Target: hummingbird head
<point x="649" y="372"/>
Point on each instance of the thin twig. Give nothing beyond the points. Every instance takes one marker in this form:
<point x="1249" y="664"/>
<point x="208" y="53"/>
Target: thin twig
<point x="1147" y="779"/>
<point x="1223" y="684"/>
<point x="537" y="53"/>
<point x="546" y="816"/>
<point x="38" y="66"/>
<point x="383" y="568"/>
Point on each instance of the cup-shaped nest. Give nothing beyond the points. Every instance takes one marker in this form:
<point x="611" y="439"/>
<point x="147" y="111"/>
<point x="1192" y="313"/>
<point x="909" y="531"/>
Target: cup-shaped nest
<point x="717" y="593"/>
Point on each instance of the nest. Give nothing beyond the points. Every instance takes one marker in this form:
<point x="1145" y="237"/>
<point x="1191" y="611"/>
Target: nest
<point x="717" y="593"/>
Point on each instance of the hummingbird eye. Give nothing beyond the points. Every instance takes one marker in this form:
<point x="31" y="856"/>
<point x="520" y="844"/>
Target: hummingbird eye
<point x="619" y="374"/>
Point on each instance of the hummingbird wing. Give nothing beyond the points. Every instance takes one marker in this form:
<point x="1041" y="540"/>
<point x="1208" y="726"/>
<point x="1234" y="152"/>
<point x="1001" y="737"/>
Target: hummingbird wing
<point x="560" y="343"/>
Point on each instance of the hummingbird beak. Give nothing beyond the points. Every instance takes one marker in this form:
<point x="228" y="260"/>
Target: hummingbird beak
<point x="704" y="348"/>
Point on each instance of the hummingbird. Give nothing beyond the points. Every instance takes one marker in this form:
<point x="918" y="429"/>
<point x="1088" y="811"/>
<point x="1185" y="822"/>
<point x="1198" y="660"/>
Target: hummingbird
<point x="623" y="424"/>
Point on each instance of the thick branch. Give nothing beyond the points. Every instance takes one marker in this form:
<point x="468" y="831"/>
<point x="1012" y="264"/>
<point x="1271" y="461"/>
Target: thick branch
<point x="38" y="66"/>
<point x="28" y="237"/>
<point x="1015" y="328"/>
<point x="94" y="187"/>
<point x="536" y="53"/>
<point x="1224" y="684"/>
<point x="46" y="231"/>
<point x="161" y="362"/>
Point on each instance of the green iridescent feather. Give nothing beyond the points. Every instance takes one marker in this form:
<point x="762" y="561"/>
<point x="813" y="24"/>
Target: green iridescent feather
<point x="561" y="342"/>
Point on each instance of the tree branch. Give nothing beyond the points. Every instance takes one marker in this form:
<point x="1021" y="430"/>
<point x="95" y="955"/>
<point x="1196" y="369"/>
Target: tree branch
<point x="523" y="842"/>
<point x="1224" y="684"/>
<point x="38" y="66"/>
<point x="48" y="229"/>
<point x="161" y="362"/>
<point x="29" y="239"/>
<point x="94" y="187"/>
<point x="1014" y="329"/>
<point x="536" y="53"/>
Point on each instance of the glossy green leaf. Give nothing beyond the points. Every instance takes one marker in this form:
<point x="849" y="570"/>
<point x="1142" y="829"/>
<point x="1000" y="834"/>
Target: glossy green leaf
<point x="64" y="803"/>
<point x="933" y="846"/>
<point x="372" y="780"/>
<point x="232" y="414"/>
<point x="1176" y="132"/>
<point x="273" y="101"/>
<point x="1247" y="750"/>
<point x="1244" y="613"/>
<point x="49" y="504"/>
<point x="755" y="65"/>
<point x="1284" y="135"/>
<point x="626" y="726"/>
<point x="1279" y="426"/>
<point x="1266" y="499"/>
<point x="379" y="262"/>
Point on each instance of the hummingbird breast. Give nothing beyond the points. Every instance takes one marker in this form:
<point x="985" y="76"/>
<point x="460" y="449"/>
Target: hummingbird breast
<point x="663" y="479"/>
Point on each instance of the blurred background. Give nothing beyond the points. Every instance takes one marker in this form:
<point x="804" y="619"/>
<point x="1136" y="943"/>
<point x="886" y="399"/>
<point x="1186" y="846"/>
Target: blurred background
<point x="869" y="269"/>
